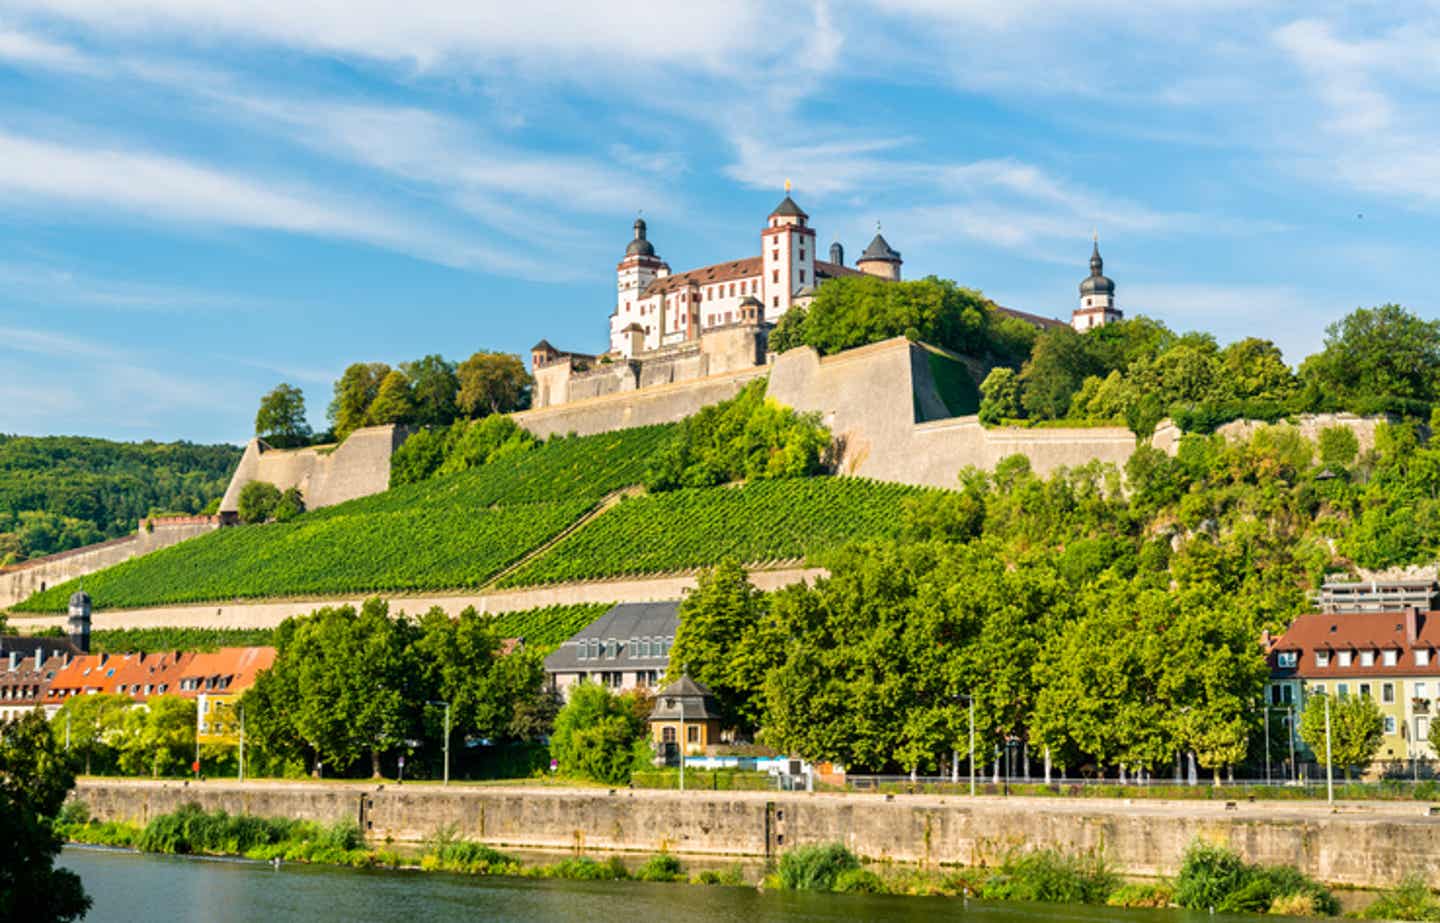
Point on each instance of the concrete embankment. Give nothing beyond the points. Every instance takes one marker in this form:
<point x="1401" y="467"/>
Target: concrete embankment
<point x="268" y="614"/>
<point x="1360" y="845"/>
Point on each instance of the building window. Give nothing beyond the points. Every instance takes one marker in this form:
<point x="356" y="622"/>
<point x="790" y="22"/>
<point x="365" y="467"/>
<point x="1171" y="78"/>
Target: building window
<point x="1286" y="660"/>
<point x="774" y="254"/>
<point x="595" y="648"/>
<point x="1418" y="690"/>
<point x="1389" y="724"/>
<point x="775" y="301"/>
<point x="802" y="277"/>
<point x="1286" y="695"/>
<point x="1345" y="658"/>
<point x="1387" y="693"/>
<point x="1364" y="690"/>
<point x="1389" y="658"/>
<point x="1367" y="658"/>
<point x="1342" y="690"/>
<point x="802" y="253"/>
<point x="1322" y="658"/>
<point x="644" y="647"/>
<point x="667" y="735"/>
<point x="732" y="289"/>
<point x="692" y="734"/>
<point x="775" y="276"/>
<point x="1422" y="658"/>
<point x="1422" y="729"/>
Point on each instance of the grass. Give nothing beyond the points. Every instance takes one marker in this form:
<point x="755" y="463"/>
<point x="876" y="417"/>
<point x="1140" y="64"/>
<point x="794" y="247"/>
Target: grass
<point x="955" y="383"/>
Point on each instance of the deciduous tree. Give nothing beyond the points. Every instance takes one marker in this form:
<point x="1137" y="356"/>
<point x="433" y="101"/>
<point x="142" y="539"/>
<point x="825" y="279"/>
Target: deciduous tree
<point x="280" y="420"/>
<point x="493" y="383"/>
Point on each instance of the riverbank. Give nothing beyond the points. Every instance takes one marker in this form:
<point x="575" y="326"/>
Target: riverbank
<point x="1360" y="845"/>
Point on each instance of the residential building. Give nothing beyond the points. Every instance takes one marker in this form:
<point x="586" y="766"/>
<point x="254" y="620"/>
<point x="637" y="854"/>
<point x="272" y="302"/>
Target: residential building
<point x="27" y="667"/>
<point x="138" y="676"/>
<point x="216" y="681"/>
<point x="626" y="648"/>
<point x="685" y="716"/>
<point x="1388" y="656"/>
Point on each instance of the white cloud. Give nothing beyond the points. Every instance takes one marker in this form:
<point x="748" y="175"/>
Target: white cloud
<point x="92" y="177"/>
<point x="26" y="49"/>
<point x="30" y="282"/>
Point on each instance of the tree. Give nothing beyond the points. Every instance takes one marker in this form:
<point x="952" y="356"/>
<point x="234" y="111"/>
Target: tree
<point x="1356" y="729"/>
<point x="158" y="739"/>
<point x="1000" y="396"/>
<point x="280" y="420"/>
<point x="493" y="383"/>
<point x="35" y="776"/>
<point x="394" y="402"/>
<point x="716" y="641"/>
<point x="1054" y="372"/>
<point x="598" y="735"/>
<point x="92" y="726"/>
<point x="462" y="664"/>
<point x="1338" y="447"/>
<point x="257" y="502"/>
<point x="1376" y="359"/>
<point x="288" y="505"/>
<point x="1255" y="368"/>
<point x="354" y="393"/>
<point x="434" y="385"/>
<point x="855" y="310"/>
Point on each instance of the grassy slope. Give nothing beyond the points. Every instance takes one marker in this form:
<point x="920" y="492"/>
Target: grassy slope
<point x="445" y="533"/>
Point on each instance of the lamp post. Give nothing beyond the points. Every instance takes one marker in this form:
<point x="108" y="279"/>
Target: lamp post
<point x="241" y="709"/>
<point x="1290" y="733"/>
<point x="971" y="699"/>
<point x="1329" y="757"/>
<point x="447" y="739"/>
<point x="1266" y="710"/>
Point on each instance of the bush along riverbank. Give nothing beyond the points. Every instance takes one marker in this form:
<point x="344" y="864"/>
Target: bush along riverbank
<point x="1210" y="877"/>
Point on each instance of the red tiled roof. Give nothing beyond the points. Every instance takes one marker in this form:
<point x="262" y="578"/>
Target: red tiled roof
<point x="240" y="664"/>
<point x="705" y="275"/>
<point x="1403" y="632"/>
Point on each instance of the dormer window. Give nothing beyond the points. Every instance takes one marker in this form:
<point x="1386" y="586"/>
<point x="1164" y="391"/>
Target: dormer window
<point x="1422" y="657"/>
<point x="1287" y="659"/>
<point x="1367" y="658"/>
<point x="1322" y="658"/>
<point x="1345" y="658"/>
<point x="1390" y="658"/>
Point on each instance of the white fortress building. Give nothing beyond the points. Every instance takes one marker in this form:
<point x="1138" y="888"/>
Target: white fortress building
<point x="669" y="327"/>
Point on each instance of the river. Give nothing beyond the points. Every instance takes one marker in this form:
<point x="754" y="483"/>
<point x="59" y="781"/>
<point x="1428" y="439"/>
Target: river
<point x="130" y="887"/>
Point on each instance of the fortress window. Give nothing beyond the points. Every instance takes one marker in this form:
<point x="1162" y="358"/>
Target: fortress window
<point x="775" y="276"/>
<point x="775" y="302"/>
<point x="802" y="253"/>
<point x="802" y="277"/>
<point x="774" y="254"/>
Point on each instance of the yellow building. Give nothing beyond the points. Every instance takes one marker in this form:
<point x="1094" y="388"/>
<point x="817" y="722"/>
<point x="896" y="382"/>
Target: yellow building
<point x="1387" y="656"/>
<point x="685" y="716"/>
<point x="216" y="680"/>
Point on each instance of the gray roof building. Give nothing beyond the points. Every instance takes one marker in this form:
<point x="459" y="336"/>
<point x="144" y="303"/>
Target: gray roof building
<point x="629" y="637"/>
<point x="685" y="700"/>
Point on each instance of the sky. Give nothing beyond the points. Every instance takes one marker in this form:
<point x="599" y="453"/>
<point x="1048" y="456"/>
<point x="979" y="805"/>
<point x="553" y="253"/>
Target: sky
<point x="201" y="200"/>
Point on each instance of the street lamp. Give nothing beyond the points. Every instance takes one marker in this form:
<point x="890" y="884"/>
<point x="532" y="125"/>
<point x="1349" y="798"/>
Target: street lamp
<point x="971" y="699"/>
<point x="1329" y="757"/>
<point x="1266" y="709"/>
<point x="447" y="738"/>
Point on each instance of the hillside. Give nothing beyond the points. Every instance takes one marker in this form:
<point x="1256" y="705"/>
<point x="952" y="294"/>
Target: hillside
<point x="61" y="492"/>
<point x="461" y="531"/>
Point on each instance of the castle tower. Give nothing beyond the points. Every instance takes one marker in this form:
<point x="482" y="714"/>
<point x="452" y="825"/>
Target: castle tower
<point x="880" y="259"/>
<point x="79" y="622"/>
<point x="1097" y="297"/>
<point x="633" y="274"/>
<point x="787" y="256"/>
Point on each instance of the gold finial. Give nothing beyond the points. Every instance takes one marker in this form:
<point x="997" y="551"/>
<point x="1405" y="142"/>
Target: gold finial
<point x="787" y="187"/>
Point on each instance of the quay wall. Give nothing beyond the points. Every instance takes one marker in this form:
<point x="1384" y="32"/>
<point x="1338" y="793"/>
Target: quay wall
<point x="1359" y="845"/>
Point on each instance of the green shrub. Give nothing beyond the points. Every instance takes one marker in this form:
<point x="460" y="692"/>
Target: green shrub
<point x="1157" y="894"/>
<point x="815" y="868"/>
<point x="1050" y="876"/>
<point x="858" y="881"/>
<point x="663" y="867"/>
<point x="1216" y="877"/>
<point x="1208" y="874"/>
<point x="257" y="501"/>
<point x="1412" y="900"/>
<point x="446" y="853"/>
<point x="583" y="868"/>
<point x="732" y="876"/>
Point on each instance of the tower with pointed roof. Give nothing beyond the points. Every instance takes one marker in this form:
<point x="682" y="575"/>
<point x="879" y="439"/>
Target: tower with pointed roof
<point x="880" y="259"/>
<point x="1097" y="297"/>
<point x="787" y="256"/>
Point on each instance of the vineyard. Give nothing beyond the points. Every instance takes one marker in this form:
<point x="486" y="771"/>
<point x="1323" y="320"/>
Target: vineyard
<point x="452" y="532"/>
<point x="155" y="640"/>
<point x="761" y="521"/>
<point x="548" y="626"/>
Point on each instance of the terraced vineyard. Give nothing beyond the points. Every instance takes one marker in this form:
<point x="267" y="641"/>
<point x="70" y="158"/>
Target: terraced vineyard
<point x="761" y="521"/>
<point x="445" y="533"/>
<point x="549" y="626"/>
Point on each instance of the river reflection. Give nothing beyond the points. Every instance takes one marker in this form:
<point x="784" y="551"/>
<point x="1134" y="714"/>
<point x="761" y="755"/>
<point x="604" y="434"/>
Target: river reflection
<point x="129" y="887"/>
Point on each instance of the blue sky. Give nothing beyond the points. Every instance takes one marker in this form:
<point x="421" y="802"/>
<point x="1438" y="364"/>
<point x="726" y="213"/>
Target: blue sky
<point x="196" y="204"/>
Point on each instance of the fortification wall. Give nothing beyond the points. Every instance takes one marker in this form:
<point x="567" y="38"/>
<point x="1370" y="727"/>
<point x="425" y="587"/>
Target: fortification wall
<point x="1310" y="425"/>
<point x="358" y="467"/>
<point x="1370" y="845"/>
<point x="662" y="404"/>
<point x="31" y="577"/>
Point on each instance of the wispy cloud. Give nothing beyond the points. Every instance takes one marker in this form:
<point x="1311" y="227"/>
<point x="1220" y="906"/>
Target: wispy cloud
<point x="31" y="282"/>
<point x="24" y="48"/>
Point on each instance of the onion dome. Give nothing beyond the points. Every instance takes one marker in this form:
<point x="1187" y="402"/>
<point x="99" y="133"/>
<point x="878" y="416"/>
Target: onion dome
<point x="1097" y="283"/>
<point x="79" y="600"/>
<point x="640" y="246"/>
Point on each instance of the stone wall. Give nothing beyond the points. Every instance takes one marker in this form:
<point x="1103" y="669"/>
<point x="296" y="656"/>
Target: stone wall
<point x="1369" y="845"/>
<point x="661" y="404"/>
<point x="25" y="579"/>
<point x="326" y="475"/>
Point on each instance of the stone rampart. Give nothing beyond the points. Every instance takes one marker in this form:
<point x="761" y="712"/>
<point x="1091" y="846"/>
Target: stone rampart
<point x="665" y="403"/>
<point x="1360" y="845"/>
<point x="34" y="576"/>
<point x="325" y="475"/>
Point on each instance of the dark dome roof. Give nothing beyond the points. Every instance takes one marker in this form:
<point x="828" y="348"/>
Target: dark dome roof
<point x="640" y="246"/>
<point x="79" y="598"/>
<point x="1097" y="283"/>
<point x="879" y="249"/>
<point x="788" y="209"/>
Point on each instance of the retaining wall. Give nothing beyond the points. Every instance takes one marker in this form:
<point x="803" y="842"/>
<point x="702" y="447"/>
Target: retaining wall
<point x="326" y="475"/>
<point x="1361" y="846"/>
<point x="32" y="577"/>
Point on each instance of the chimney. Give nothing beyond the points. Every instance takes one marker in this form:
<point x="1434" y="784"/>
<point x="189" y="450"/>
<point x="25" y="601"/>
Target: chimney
<point x="14" y="661"/>
<point x="39" y="657"/>
<point x="1412" y="625"/>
